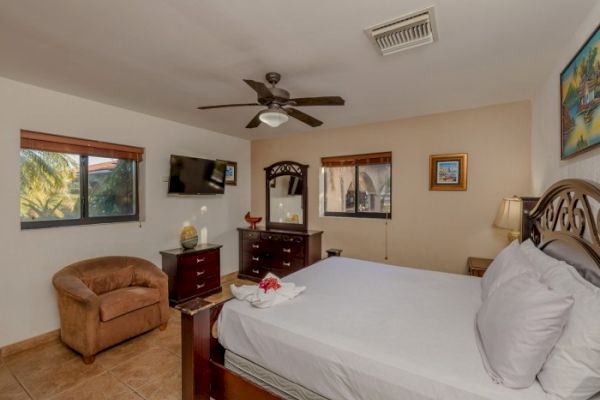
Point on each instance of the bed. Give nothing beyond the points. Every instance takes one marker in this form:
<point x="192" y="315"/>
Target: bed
<point x="384" y="332"/>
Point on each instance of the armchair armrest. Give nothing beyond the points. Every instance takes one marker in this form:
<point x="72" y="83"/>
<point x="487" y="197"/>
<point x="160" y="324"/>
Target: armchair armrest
<point x="74" y="288"/>
<point x="79" y="309"/>
<point x="148" y="274"/>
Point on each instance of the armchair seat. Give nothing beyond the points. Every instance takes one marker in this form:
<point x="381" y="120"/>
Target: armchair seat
<point x="104" y="301"/>
<point x="122" y="301"/>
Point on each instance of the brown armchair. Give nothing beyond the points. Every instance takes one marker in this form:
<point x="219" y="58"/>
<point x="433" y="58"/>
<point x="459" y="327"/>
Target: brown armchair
<point x="104" y="301"/>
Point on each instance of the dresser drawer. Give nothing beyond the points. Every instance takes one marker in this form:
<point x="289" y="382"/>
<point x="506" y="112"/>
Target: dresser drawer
<point x="275" y="237"/>
<point x="200" y="271"/>
<point x="256" y="272"/>
<point x="199" y="285"/>
<point x="251" y="235"/>
<point x="288" y="250"/>
<point x="256" y="259"/>
<point x="209" y="258"/>
<point x="254" y="246"/>
<point x="298" y="240"/>
<point x="287" y="264"/>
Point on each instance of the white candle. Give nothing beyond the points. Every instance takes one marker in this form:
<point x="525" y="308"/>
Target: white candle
<point x="203" y="235"/>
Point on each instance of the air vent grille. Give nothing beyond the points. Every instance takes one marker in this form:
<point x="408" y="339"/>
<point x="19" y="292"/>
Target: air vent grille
<point x="403" y="33"/>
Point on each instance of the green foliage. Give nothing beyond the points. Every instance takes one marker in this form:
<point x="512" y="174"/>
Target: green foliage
<point x="587" y="66"/>
<point x="572" y="97"/>
<point x="48" y="186"/>
<point x="112" y="193"/>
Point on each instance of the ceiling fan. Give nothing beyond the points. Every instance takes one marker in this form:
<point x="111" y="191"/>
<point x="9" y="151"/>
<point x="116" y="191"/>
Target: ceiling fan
<point x="279" y="105"/>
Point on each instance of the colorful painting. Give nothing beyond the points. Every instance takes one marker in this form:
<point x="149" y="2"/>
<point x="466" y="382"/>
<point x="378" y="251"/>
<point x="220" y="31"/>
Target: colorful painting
<point x="448" y="171"/>
<point x="580" y="100"/>
<point x="231" y="173"/>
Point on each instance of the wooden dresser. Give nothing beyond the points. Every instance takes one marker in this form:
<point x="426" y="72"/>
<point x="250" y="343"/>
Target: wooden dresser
<point x="277" y="251"/>
<point x="194" y="272"/>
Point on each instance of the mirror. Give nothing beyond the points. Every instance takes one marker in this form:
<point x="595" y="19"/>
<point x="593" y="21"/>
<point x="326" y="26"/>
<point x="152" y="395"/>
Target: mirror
<point x="286" y="196"/>
<point x="286" y="199"/>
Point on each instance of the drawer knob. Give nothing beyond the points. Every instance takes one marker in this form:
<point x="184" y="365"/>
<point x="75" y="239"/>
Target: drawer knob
<point x="255" y="246"/>
<point x="270" y="237"/>
<point x="200" y="286"/>
<point x="199" y="260"/>
<point x="200" y="273"/>
<point x="287" y="250"/>
<point x="255" y="258"/>
<point x="287" y="264"/>
<point x="255" y="271"/>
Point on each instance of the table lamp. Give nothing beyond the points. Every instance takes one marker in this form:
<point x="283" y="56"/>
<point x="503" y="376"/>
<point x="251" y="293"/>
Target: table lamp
<point x="509" y="217"/>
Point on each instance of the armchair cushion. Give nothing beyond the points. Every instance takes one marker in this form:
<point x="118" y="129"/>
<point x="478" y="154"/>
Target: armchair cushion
<point x="122" y="301"/>
<point x="100" y="282"/>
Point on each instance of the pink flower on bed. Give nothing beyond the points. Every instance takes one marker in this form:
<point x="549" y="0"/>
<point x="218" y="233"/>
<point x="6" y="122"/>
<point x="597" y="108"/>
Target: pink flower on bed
<point x="269" y="283"/>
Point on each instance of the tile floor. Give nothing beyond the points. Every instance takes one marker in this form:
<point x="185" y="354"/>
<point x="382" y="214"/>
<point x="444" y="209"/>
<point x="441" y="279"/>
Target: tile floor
<point x="146" y="367"/>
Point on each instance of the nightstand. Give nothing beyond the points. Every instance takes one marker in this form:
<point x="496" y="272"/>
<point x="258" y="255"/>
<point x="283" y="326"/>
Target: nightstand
<point x="477" y="266"/>
<point x="334" y="253"/>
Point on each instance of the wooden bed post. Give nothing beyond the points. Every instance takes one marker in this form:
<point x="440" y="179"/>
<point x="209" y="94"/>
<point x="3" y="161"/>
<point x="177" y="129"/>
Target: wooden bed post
<point x="195" y="349"/>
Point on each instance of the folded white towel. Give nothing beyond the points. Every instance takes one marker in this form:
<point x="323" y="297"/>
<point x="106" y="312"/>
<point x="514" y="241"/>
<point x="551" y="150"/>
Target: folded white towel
<point x="260" y="298"/>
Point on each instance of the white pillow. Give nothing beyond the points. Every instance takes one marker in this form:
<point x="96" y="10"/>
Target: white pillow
<point x="541" y="261"/>
<point x="572" y="370"/>
<point x="509" y="263"/>
<point x="517" y="327"/>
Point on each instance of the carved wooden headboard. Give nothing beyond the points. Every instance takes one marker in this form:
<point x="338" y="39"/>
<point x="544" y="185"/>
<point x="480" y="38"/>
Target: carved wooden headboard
<point x="564" y="224"/>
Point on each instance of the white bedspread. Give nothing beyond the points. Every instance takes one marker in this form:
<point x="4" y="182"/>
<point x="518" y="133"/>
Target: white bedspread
<point x="369" y="331"/>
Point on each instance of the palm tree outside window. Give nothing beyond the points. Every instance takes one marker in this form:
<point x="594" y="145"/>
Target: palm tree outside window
<point x="70" y="181"/>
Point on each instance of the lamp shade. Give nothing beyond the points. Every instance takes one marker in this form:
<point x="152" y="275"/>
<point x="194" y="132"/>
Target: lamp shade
<point x="509" y="214"/>
<point x="273" y="117"/>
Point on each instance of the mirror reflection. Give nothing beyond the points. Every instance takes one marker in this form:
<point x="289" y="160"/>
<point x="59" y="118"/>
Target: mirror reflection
<point x="286" y="199"/>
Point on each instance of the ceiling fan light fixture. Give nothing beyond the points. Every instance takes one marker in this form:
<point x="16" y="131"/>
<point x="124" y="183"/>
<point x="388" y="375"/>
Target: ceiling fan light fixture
<point x="273" y="117"/>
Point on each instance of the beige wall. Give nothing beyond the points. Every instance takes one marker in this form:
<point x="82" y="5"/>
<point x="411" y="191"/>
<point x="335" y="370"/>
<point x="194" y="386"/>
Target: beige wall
<point x="31" y="257"/>
<point x="434" y="230"/>
<point x="547" y="167"/>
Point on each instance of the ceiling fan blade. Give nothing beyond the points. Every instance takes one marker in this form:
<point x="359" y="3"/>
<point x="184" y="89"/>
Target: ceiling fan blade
<point x="254" y="122"/>
<point x="319" y="101"/>
<point x="300" y="116"/>
<point x="260" y="88"/>
<point x="228" y="105"/>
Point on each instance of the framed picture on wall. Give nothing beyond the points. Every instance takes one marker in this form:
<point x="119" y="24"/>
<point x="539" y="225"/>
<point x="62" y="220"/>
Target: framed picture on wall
<point x="448" y="171"/>
<point x="580" y="100"/>
<point x="231" y="173"/>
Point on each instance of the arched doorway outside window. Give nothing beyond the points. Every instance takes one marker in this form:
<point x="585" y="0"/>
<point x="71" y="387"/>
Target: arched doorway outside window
<point x="368" y="197"/>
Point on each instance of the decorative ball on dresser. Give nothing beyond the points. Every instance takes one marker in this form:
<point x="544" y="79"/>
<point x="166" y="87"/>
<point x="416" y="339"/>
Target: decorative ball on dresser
<point x="188" y="236"/>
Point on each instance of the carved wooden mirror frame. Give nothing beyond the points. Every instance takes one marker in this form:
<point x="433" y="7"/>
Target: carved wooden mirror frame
<point x="283" y="168"/>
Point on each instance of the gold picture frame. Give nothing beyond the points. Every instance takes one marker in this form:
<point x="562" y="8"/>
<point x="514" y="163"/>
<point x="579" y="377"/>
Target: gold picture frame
<point x="448" y="172"/>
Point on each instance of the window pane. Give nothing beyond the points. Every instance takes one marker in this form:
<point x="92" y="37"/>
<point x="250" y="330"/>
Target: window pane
<point x="50" y="189"/>
<point x="111" y="187"/>
<point x="374" y="188"/>
<point x="339" y="189"/>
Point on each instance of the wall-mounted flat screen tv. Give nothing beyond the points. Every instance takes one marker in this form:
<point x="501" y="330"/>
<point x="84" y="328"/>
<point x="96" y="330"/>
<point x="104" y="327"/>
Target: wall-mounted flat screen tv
<point x="192" y="176"/>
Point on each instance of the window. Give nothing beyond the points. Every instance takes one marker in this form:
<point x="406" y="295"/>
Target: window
<point x="69" y="181"/>
<point x="358" y="186"/>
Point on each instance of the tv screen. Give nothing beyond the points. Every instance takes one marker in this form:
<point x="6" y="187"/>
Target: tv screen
<point x="196" y="176"/>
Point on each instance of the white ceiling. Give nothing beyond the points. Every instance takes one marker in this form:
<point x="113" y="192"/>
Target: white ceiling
<point x="166" y="57"/>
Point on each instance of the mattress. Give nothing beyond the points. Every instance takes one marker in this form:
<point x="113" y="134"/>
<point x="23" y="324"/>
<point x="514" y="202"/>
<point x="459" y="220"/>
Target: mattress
<point x="268" y="380"/>
<point x="365" y="330"/>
